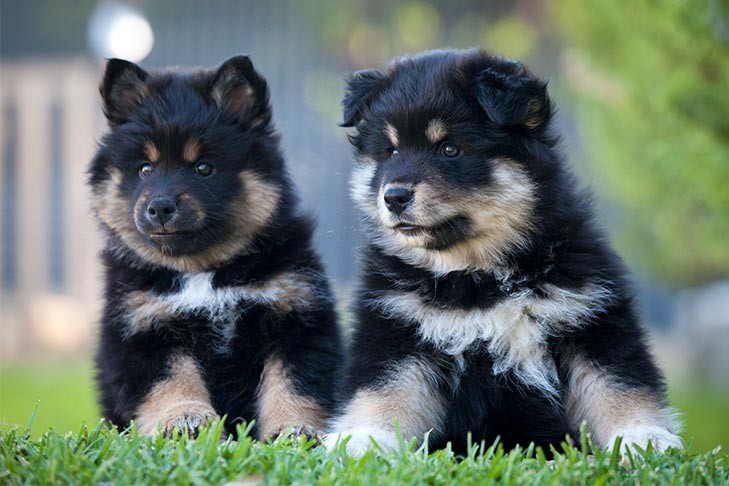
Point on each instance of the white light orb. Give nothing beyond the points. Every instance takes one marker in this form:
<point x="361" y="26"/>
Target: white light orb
<point x="118" y="30"/>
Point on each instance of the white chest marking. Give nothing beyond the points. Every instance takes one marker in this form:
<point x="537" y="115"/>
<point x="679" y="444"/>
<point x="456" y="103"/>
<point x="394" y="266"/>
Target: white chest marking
<point x="514" y="331"/>
<point x="282" y="293"/>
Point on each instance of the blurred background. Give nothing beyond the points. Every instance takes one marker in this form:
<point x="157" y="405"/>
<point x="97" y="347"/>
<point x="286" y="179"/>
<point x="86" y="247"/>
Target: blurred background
<point x="643" y="91"/>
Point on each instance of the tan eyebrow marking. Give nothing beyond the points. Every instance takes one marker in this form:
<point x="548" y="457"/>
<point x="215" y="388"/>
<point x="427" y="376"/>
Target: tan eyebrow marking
<point x="392" y="134"/>
<point x="191" y="152"/>
<point x="151" y="151"/>
<point x="436" y="131"/>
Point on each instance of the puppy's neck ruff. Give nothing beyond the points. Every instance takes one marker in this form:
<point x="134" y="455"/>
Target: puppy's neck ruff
<point x="514" y="331"/>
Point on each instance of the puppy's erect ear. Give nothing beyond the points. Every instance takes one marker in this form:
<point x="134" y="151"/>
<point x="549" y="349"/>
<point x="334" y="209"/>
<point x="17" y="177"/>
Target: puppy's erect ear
<point x="361" y="90"/>
<point x="238" y="89"/>
<point x="122" y="90"/>
<point x="511" y="95"/>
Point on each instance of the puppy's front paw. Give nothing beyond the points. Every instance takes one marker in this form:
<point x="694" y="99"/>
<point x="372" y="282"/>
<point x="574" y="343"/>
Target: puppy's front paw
<point x="359" y="440"/>
<point x="186" y="423"/>
<point x="296" y="430"/>
<point x="187" y="420"/>
<point x="661" y="438"/>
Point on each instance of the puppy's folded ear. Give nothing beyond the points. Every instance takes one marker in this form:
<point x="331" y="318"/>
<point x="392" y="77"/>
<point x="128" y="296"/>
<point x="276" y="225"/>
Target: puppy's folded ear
<point x="511" y="95"/>
<point x="239" y="90"/>
<point x="122" y="90"/>
<point x="362" y="88"/>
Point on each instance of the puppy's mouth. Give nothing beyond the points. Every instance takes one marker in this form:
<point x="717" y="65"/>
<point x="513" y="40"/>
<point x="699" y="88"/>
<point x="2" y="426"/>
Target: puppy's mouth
<point x="410" y="229"/>
<point x="435" y="235"/>
<point x="167" y="236"/>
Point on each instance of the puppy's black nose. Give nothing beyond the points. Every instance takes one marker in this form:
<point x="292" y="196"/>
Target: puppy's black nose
<point x="160" y="210"/>
<point x="397" y="199"/>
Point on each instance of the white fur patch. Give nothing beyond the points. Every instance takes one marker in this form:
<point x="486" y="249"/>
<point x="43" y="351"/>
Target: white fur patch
<point x="660" y="437"/>
<point x="410" y="396"/>
<point x="359" y="439"/>
<point x="359" y="184"/>
<point x="282" y="293"/>
<point x="514" y="331"/>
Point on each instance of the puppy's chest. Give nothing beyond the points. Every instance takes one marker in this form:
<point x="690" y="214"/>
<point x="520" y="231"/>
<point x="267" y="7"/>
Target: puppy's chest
<point x="512" y="325"/>
<point x="198" y="298"/>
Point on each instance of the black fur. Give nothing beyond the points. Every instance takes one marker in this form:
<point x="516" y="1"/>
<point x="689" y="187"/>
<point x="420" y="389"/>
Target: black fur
<point x="227" y="111"/>
<point x="493" y="109"/>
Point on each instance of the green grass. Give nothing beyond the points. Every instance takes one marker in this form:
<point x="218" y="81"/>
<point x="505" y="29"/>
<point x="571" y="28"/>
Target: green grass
<point x="47" y="452"/>
<point x="65" y="397"/>
<point x="101" y="455"/>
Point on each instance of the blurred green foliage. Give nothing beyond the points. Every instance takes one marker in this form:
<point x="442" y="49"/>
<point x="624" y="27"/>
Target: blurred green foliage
<point x="653" y="79"/>
<point x="370" y="33"/>
<point x="63" y="391"/>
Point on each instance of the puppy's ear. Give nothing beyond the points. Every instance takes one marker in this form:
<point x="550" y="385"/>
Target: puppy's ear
<point x="361" y="90"/>
<point x="238" y="89"/>
<point x="122" y="90"/>
<point x="511" y="95"/>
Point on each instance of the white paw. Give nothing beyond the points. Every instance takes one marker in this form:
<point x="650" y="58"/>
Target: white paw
<point x="661" y="438"/>
<point x="359" y="439"/>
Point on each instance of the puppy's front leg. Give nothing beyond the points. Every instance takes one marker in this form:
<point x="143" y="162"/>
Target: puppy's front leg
<point x="410" y="395"/>
<point x="611" y="408"/>
<point x="179" y="401"/>
<point x="281" y="408"/>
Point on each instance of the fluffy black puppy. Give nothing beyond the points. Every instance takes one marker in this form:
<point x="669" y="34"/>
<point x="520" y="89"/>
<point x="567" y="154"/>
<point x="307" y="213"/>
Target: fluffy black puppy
<point x="489" y="303"/>
<point x="215" y="301"/>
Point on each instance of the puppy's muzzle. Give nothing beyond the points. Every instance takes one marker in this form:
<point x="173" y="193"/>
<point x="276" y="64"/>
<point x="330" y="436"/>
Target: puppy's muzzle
<point x="398" y="198"/>
<point x="161" y="210"/>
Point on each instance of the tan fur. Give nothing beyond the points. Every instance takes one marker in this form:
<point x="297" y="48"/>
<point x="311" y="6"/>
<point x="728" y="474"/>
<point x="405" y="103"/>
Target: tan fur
<point x="191" y="150"/>
<point x="410" y="397"/>
<point x="436" y="131"/>
<point x="251" y="211"/>
<point x="151" y="151"/>
<point x="144" y="309"/>
<point x="609" y="409"/>
<point x="112" y="208"/>
<point x="283" y="293"/>
<point x="287" y="292"/>
<point x="502" y="218"/>
<point x="175" y="401"/>
<point x="392" y="134"/>
<point x="281" y="407"/>
<point x="501" y="214"/>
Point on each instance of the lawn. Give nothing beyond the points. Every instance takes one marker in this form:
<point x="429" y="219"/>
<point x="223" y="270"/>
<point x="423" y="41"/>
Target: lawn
<point x="101" y="455"/>
<point x="65" y="397"/>
<point x="98" y="454"/>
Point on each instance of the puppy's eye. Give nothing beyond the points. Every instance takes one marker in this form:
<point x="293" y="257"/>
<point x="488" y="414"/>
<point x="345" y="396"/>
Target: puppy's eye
<point x="392" y="151"/>
<point x="145" y="170"/>
<point x="204" y="169"/>
<point x="451" y="151"/>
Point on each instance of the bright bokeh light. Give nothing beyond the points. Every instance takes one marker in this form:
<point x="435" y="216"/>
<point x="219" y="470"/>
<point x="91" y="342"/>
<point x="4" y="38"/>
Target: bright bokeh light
<point x="118" y="30"/>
